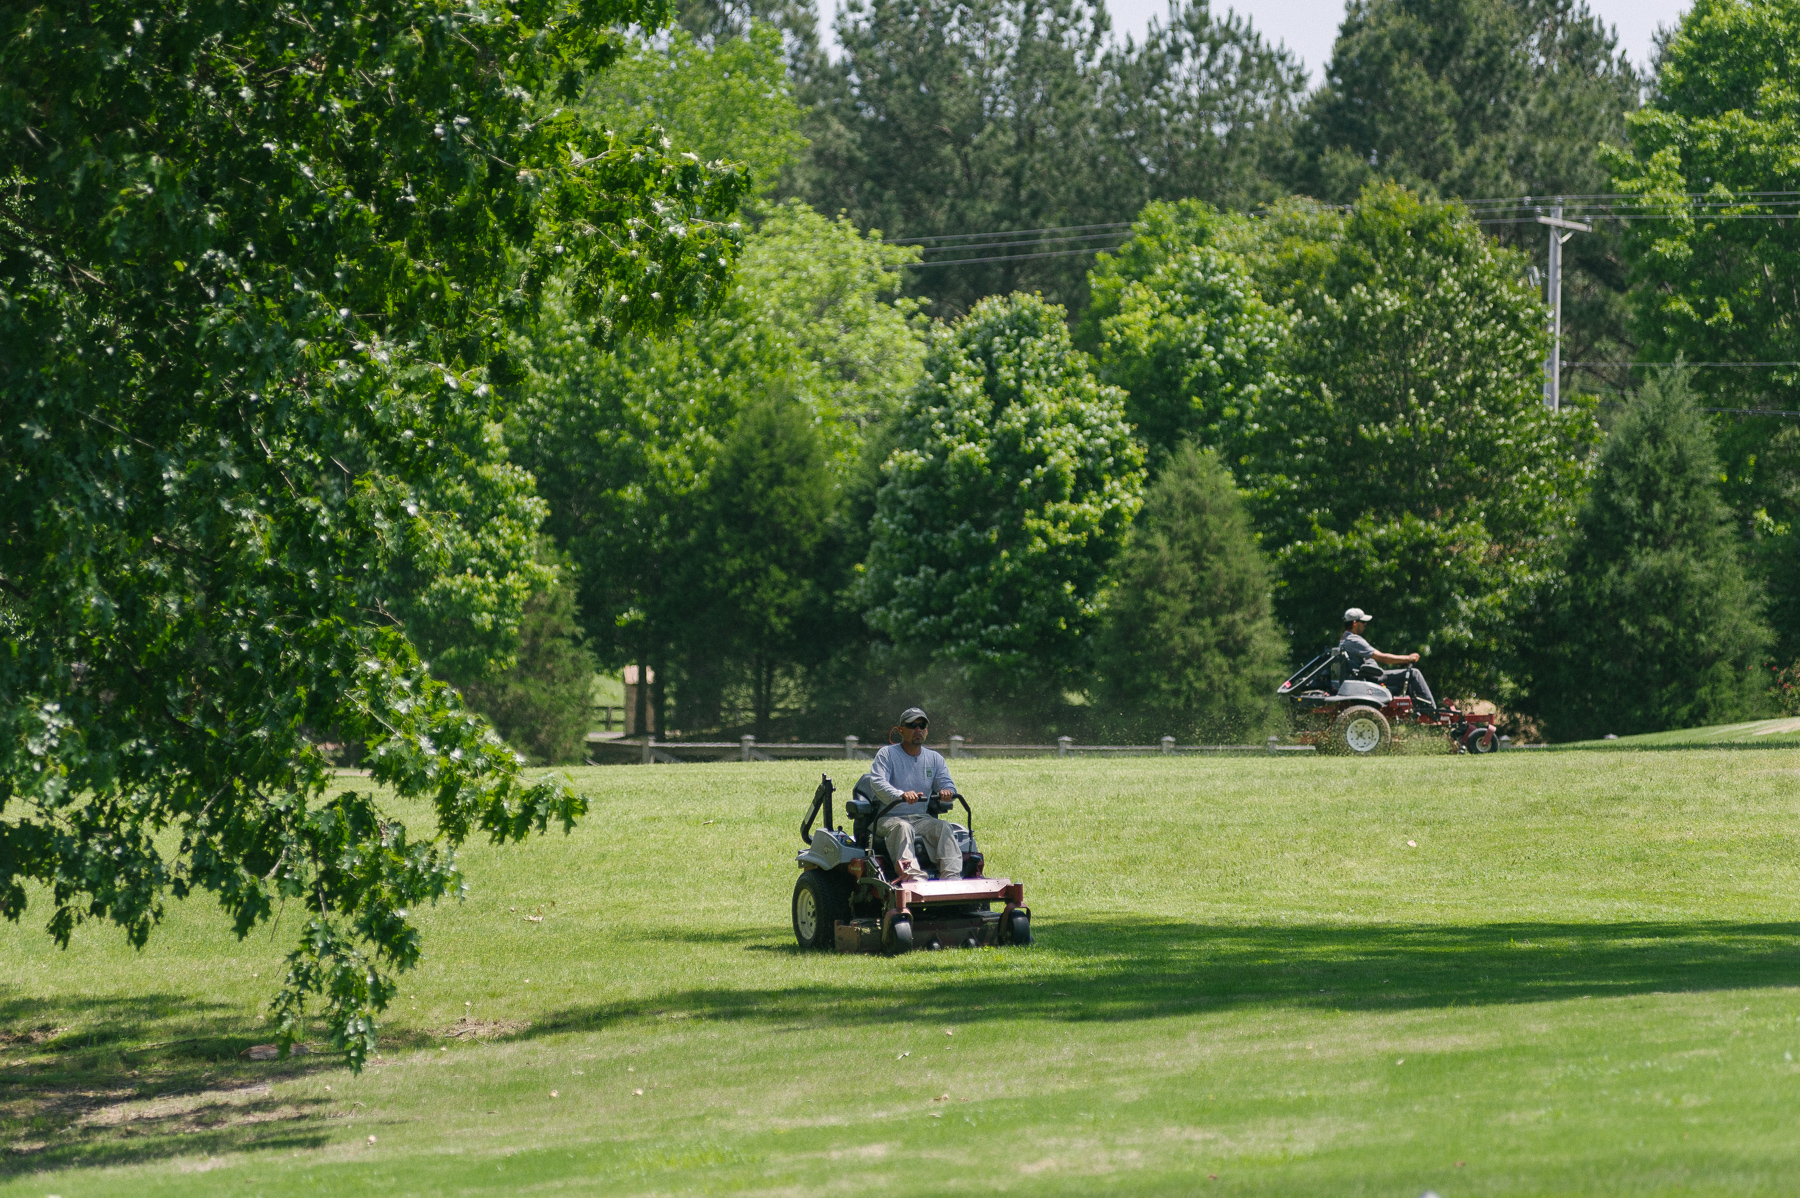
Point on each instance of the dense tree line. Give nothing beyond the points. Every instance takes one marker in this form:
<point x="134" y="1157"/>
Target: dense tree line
<point x="1299" y="296"/>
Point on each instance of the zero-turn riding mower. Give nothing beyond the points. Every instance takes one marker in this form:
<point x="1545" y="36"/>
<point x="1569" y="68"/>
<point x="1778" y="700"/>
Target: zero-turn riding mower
<point x="850" y="896"/>
<point x="1355" y="716"/>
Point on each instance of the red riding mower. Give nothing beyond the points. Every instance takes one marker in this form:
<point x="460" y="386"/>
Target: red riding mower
<point x="1355" y="717"/>
<point x="850" y="896"/>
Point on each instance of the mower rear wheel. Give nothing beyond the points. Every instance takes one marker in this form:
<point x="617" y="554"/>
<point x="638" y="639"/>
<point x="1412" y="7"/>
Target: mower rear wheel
<point x="1359" y="732"/>
<point x="821" y="899"/>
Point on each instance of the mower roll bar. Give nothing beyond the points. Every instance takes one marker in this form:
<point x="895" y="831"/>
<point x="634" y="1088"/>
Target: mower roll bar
<point x="821" y="798"/>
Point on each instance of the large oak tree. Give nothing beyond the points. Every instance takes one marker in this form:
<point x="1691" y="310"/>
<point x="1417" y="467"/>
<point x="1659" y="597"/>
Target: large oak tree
<point x="255" y="259"/>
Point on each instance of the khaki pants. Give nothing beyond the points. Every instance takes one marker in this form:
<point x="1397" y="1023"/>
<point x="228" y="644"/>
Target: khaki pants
<point x="900" y="831"/>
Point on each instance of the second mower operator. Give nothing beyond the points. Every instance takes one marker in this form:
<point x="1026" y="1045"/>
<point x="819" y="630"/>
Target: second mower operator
<point x="912" y="773"/>
<point x="1402" y="682"/>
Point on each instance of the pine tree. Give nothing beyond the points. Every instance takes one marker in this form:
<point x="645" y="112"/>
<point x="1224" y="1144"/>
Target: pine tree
<point x="1659" y="626"/>
<point x="1189" y="647"/>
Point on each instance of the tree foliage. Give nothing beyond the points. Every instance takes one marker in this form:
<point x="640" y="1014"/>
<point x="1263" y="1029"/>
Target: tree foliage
<point x="730" y="101"/>
<point x="1447" y="593"/>
<point x="1415" y="366"/>
<point x="254" y="258"/>
<point x="1010" y="489"/>
<point x="1721" y="132"/>
<point x="542" y="704"/>
<point x="1189" y="646"/>
<point x="1180" y="327"/>
<point x="1658" y="625"/>
<point x="1205" y="108"/>
<point x="1467" y="99"/>
<point x="1479" y="99"/>
<point x="626" y="443"/>
<point x="1713" y="158"/>
<point x="760" y="543"/>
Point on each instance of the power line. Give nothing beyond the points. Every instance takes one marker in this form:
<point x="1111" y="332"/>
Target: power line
<point x="1000" y="245"/>
<point x="1001" y="258"/>
<point x="1123" y="224"/>
<point x="1613" y="195"/>
<point x="1614" y="403"/>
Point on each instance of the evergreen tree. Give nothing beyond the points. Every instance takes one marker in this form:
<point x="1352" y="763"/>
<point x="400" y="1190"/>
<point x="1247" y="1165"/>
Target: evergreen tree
<point x="542" y="703"/>
<point x="1189" y="648"/>
<point x="1659" y="626"/>
<point x="1204" y="109"/>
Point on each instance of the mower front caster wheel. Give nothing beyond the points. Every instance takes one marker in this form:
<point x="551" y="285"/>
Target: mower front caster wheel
<point x="1481" y="739"/>
<point x="899" y="936"/>
<point x="821" y="899"/>
<point x="1018" y="927"/>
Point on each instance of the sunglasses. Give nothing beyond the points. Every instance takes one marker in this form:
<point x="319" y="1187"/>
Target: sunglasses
<point x="921" y="725"/>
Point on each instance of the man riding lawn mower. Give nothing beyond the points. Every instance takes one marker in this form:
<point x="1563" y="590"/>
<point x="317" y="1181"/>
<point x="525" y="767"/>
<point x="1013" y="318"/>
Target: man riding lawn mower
<point x="1344" y="702"/>
<point x="869" y="889"/>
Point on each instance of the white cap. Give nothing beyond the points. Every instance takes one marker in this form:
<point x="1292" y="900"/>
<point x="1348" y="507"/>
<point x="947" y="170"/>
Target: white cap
<point x="1358" y="615"/>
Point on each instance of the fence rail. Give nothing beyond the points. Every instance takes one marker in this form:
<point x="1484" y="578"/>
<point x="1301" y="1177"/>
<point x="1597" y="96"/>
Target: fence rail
<point x="603" y="750"/>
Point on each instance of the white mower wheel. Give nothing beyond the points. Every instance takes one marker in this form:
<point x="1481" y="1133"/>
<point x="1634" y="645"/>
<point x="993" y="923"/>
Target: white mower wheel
<point x="1360" y="732"/>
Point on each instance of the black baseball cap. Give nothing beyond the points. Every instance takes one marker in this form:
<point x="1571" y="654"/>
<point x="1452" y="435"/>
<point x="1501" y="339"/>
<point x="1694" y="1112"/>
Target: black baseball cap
<point x="913" y="713"/>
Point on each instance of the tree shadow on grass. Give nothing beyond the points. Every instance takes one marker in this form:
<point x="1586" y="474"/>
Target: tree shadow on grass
<point x="1130" y="969"/>
<point x="111" y="1081"/>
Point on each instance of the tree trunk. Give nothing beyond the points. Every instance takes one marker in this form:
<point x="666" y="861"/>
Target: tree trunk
<point x="659" y="698"/>
<point x="641" y="717"/>
<point x="763" y="689"/>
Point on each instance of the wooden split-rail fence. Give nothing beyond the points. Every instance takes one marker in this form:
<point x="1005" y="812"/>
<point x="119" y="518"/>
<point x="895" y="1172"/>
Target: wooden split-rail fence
<point x="647" y="750"/>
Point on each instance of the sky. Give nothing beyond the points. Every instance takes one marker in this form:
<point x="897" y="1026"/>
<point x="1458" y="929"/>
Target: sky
<point x="1308" y="27"/>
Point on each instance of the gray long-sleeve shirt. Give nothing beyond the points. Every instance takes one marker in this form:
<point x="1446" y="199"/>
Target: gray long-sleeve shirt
<point x="896" y="771"/>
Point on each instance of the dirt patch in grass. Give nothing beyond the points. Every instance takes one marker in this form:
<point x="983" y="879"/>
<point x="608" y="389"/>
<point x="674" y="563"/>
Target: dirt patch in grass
<point x="468" y="1028"/>
<point x="32" y="1036"/>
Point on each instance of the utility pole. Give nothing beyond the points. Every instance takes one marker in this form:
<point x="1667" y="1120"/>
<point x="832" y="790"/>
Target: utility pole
<point x="1553" y="364"/>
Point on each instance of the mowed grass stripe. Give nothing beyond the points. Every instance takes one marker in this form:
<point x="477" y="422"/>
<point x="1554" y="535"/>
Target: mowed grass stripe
<point x="1577" y="977"/>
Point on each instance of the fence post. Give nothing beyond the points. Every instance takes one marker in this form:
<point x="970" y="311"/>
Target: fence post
<point x="746" y="744"/>
<point x="850" y="743"/>
<point x="1062" y="745"/>
<point x="956" y="744"/>
<point x="1168" y="743"/>
<point x="649" y="753"/>
<point x="1273" y="742"/>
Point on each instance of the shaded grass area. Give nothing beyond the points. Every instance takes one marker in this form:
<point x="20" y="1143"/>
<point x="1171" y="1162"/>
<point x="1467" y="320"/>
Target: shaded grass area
<point x="1523" y="974"/>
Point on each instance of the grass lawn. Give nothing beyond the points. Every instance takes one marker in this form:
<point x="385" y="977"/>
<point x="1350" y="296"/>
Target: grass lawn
<point x="1533" y="973"/>
<point x="1761" y="734"/>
